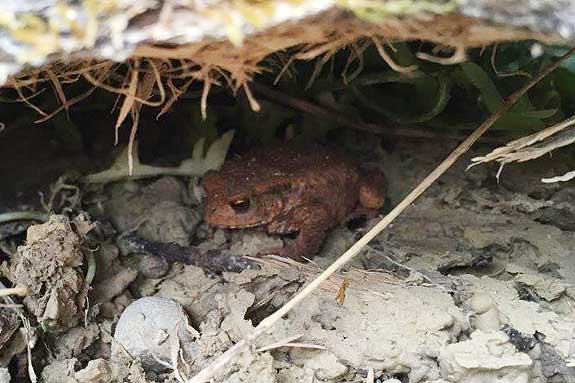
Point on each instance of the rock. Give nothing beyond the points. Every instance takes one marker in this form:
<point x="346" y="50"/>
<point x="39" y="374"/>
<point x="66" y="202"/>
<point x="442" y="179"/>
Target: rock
<point x="146" y="330"/>
<point x="97" y="371"/>
<point x="252" y="243"/>
<point x="480" y="303"/>
<point x="74" y="341"/>
<point x="61" y="371"/>
<point x="326" y="366"/>
<point x="106" y="290"/>
<point x="486" y="357"/>
<point x="554" y="15"/>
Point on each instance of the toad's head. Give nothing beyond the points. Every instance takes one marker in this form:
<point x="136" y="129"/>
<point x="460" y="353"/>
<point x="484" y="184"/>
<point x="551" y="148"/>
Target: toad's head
<point x="235" y="202"/>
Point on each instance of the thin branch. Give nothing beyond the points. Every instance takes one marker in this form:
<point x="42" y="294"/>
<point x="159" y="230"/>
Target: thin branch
<point x="337" y="117"/>
<point x="218" y="365"/>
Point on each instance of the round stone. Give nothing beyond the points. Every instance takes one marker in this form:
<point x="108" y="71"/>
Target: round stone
<point x="150" y="328"/>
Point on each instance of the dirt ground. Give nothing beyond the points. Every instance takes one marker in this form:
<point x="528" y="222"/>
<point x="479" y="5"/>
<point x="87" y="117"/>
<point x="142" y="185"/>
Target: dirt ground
<point x="474" y="284"/>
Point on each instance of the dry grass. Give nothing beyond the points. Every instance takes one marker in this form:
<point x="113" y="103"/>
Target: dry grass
<point x="532" y="147"/>
<point x="158" y="75"/>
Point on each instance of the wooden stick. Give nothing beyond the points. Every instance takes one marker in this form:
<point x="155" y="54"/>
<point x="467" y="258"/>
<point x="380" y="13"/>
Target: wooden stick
<point x="351" y="122"/>
<point x="221" y="362"/>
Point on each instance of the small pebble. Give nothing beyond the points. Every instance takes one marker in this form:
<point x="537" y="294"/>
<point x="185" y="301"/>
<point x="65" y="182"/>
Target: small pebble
<point x="145" y="330"/>
<point x="487" y="315"/>
<point x="97" y="371"/>
<point x="489" y="321"/>
<point x="480" y="303"/>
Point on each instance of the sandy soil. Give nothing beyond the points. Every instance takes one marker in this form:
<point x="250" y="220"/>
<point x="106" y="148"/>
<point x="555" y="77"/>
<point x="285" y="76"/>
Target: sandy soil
<point x="474" y="283"/>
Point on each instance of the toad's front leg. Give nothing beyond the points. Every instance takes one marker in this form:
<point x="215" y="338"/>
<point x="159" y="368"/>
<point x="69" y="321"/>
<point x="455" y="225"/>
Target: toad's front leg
<point x="310" y="222"/>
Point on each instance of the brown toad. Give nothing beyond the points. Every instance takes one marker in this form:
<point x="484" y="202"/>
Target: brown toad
<point x="290" y="189"/>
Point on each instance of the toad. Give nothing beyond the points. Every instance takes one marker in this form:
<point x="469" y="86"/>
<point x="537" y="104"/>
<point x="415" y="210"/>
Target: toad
<point x="301" y="190"/>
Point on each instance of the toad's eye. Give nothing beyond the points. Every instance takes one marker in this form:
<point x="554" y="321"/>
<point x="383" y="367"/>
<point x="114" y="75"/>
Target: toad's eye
<point x="240" y="205"/>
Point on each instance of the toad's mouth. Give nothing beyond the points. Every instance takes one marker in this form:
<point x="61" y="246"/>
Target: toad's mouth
<point x="240" y="226"/>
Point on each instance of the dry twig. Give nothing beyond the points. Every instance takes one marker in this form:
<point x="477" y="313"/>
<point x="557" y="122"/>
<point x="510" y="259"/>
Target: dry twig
<point x="289" y="342"/>
<point x="342" y="119"/>
<point x="532" y="147"/>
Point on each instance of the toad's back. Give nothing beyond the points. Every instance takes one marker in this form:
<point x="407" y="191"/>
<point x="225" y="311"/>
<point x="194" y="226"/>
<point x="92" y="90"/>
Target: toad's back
<point x="314" y="174"/>
<point x="303" y="189"/>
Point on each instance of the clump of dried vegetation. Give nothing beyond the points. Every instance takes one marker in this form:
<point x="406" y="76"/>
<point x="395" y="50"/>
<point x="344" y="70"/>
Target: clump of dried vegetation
<point x="156" y="75"/>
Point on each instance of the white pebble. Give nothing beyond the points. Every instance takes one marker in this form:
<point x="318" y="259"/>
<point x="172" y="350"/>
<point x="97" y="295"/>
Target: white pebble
<point x="146" y="329"/>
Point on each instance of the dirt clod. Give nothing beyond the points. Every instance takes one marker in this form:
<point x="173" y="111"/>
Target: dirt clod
<point x="158" y="211"/>
<point x="50" y="264"/>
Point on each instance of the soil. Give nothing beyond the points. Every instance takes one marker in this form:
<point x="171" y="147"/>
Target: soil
<point x="473" y="283"/>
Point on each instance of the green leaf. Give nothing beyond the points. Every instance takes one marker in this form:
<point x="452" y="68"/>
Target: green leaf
<point x="385" y="77"/>
<point x="402" y="55"/>
<point x="522" y="105"/>
<point x="481" y="80"/>
<point x="539" y="114"/>
<point x="202" y="132"/>
<point x="517" y="122"/>
<point x="263" y="126"/>
<point x="66" y="132"/>
<point x="432" y="93"/>
<point x="565" y="84"/>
